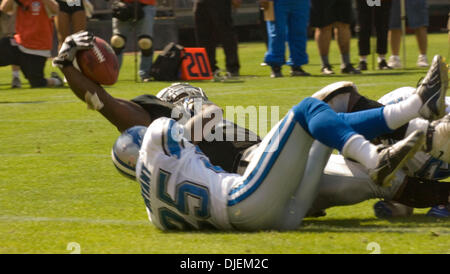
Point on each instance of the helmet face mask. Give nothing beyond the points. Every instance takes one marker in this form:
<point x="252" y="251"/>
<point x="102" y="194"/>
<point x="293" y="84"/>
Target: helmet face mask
<point x="176" y="92"/>
<point x="125" y="151"/>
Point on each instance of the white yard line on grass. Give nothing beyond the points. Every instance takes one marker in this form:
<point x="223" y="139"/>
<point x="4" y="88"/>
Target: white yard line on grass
<point x="39" y="102"/>
<point x="13" y="155"/>
<point x="371" y="229"/>
<point x="49" y="120"/>
<point x="436" y="230"/>
<point x="12" y="219"/>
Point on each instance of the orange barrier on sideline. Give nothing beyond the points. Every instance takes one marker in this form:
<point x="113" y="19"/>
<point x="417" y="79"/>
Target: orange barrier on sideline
<point x="195" y="65"/>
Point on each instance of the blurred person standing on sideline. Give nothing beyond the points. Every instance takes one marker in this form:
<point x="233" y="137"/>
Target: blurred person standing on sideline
<point x="32" y="43"/>
<point x="329" y="15"/>
<point x="214" y="25"/>
<point x="7" y="25"/>
<point x="71" y="17"/>
<point x="370" y="16"/>
<point x="289" y="23"/>
<point x="417" y="19"/>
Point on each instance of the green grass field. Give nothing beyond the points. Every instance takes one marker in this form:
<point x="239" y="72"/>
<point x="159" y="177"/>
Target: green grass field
<point x="58" y="184"/>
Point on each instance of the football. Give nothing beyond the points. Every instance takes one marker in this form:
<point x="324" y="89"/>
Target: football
<point x="100" y="63"/>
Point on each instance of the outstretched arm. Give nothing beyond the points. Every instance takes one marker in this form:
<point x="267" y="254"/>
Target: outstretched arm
<point x="121" y="113"/>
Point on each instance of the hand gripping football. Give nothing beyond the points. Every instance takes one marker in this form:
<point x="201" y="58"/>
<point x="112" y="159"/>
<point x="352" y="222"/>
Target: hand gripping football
<point x="100" y="63"/>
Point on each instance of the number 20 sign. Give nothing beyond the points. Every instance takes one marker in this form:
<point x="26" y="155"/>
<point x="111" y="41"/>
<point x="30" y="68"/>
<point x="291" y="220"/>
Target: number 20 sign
<point x="195" y="65"/>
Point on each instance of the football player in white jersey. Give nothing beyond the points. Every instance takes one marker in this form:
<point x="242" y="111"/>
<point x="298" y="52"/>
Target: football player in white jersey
<point x="182" y="190"/>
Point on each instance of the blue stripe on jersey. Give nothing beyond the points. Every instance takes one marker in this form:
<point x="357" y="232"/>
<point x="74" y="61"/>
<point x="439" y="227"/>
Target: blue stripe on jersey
<point x="433" y="169"/>
<point x="124" y="165"/>
<point x="172" y="145"/>
<point x="269" y="164"/>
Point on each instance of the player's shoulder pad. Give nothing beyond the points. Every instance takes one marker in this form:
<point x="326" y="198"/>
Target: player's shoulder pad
<point x="166" y="135"/>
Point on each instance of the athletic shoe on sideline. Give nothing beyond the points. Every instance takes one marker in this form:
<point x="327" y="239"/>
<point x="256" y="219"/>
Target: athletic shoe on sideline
<point x="362" y="65"/>
<point x="394" y="62"/>
<point x="382" y="65"/>
<point x="349" y="69"/>
<point x="327" y="70"/>
<point x="422" y="61"/>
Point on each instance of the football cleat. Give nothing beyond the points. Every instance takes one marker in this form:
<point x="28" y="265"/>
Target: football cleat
<point x="386" y="210"/>
<point x="432" y="90"/>
<point x="382" y="210"/>
<point x="392" y="158"/>
<point x="438" y="139"/>
<point x="440" y="211"/>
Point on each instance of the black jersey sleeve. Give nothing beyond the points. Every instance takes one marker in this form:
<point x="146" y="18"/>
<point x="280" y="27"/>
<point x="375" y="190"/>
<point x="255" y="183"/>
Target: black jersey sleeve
<point x="154" y="106"/>
<point x="227" y="153"/>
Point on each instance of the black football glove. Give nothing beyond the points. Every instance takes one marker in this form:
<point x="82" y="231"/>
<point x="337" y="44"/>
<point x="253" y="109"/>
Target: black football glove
<point x="82" y="40"/>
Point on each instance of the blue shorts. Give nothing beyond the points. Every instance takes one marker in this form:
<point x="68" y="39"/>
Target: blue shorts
<point x="416" y="14"/>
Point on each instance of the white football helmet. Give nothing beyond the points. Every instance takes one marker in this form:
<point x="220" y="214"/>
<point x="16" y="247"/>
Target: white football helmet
<point x="125" y="151"/>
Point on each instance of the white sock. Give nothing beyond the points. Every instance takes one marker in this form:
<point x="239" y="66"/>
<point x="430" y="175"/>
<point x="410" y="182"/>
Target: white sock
<point x="15" y="73"/>
<point x="361" y="150"/>
<point x="380" y="58"/>
<point x="417" y="124"/>
<point x="397" y="115"/>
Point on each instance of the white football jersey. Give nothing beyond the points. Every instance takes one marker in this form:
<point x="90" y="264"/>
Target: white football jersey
<point x="422" y="164"/>
<point x="180" y="187"/>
